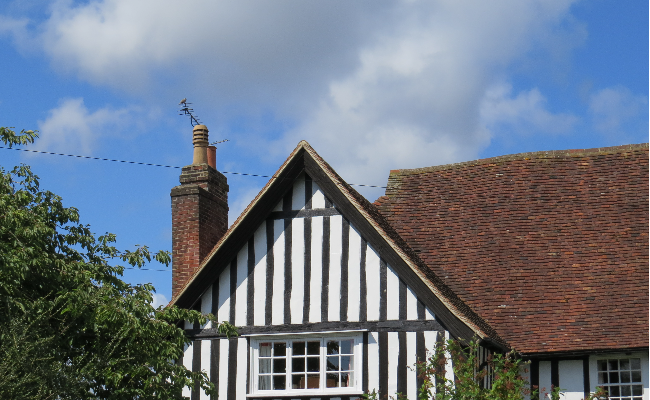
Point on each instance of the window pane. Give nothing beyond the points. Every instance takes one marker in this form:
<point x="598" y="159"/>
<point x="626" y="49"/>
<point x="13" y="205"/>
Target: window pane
<point x="332" y="380"/>
<point x="265" y="382"/>
<point x="626" y="391"/>
<point x="265" y="366"/>
<point x="636" y="363"/>
<point x="298" y="365"/>
<point x="279" y="365"/>
<point x="637" y="390"/>
<point x="279" y="382"/>
<point x="313" y="364"/>
<point x="625" y="364"/>
<point x="297" y="381"/>
<point x="265" y="349"/>
<point x="332" y="347"/>
<point x="636" y="376"/>
<point x="345" y="379"/>
<point x="313" y="348"/>
<point x="613" y="365"/>
<point x="313" y="381"/>
<point x="602" y="377"/>
<point x="346" y="363"/>
<point x="332" y="363"/>
<point x="298" y="348"/>
<point x="614" y="391"/>
<point x="346" y="346"/>
<point x="279" y="349"/>
<point x="602" y="365"/>
<point x="625" y="376"/>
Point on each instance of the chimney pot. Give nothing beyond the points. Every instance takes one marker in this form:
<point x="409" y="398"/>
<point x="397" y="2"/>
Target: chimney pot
<point x="212" y="156"/>
<point x="200" y="141"/>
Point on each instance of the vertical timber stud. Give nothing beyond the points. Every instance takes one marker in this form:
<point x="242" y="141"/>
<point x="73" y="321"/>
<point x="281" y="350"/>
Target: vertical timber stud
<point x="585" y="376"/>
<point x="534" y="377"/>
<point x="199" y="212"/>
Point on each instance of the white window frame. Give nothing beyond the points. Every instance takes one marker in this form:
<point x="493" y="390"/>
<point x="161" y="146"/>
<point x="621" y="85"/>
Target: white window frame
<point x="645" y="367"/>
<point x="619" y="358"/>
<point x="353" y="389"/>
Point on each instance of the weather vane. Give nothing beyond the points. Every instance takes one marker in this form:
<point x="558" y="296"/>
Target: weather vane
<point x="185" y="110"/>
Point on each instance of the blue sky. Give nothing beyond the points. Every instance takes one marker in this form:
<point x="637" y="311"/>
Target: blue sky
<point x="372" y="85"/>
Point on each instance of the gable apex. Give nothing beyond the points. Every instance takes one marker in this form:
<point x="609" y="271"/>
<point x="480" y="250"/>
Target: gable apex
<point x="453" y="313"/>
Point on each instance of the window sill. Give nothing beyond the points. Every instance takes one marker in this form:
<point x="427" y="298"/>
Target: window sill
<point x="295" y="395"/>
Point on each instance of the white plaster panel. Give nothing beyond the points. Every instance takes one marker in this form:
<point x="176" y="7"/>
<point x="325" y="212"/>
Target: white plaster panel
<point x="224" y="295"/>
<point x="297" y="268"/>
<point x="277" y="317"/>
<point x="187" y="363"/>
<point x="411" y="304"/>
<point x="373" y="361"/>
<point x="316" y="282"/>
<point x="259" y="276"/>
<point x="449" y="370"/>
<point x="544" y="378"/>
<point x="392" y="294"/>
<point x="393" y="347"/>
<point x="241" y="295"/>
<point x="205" y="363"/>
<point x="223" y="369"/>
<point x="571" y="379"/>
<point x="318" y="198"/>
<point x="430" y="338"/>
<point x="298" y="195"/>
<point x="334" y="305"/>
<point x="206" y="306"/>
<point x="411" y="371"/>
<point x="354" y="277"/>
<point x="372" y="284"/>
<point x="242" y="365"/>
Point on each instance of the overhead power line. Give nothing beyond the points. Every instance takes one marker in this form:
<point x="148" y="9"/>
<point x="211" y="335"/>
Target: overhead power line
<point x="158" y="165"/>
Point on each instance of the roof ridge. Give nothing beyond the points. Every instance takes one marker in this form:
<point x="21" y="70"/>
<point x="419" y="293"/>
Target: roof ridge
<point x="545" y="154"/>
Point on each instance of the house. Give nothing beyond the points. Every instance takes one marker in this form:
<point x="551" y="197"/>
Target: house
<point x="334" y="296"/>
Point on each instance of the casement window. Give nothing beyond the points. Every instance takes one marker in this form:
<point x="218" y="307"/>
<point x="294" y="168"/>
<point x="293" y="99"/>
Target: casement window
<point x="306" y="365"/>
<point x="621" y="378"/>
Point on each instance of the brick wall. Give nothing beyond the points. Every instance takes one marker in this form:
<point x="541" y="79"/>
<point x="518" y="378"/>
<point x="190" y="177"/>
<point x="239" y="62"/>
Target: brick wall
<point x="199" y="219"/>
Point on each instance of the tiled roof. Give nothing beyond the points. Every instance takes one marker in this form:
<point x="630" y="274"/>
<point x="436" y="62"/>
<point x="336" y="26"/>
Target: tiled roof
<point x="436" y="285"/>
<point x="550" y="248"/>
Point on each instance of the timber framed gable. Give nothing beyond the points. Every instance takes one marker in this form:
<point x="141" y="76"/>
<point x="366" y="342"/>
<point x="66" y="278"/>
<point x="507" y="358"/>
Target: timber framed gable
<point x="305" y="190"/>
<point x="311" y="261"/>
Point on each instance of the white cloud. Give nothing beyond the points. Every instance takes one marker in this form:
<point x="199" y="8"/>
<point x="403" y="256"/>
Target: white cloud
<point x="245" y="51"/>
<point x="525" y="114"/>
<point x="416" y="97"/>
<point x="616" y="110"/>
<point x="71" y="127"/>
<point x="372" y="85"/>
<point x="159" y="300"/>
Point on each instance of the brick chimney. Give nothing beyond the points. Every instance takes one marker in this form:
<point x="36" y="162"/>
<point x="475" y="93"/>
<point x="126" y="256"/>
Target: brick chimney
<point x="199" y="211"/>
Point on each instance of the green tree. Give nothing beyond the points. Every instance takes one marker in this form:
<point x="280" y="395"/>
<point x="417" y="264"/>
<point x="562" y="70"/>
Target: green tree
<point x="70" y="328"/>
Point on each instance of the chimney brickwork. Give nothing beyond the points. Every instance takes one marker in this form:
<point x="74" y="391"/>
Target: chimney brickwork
<point x="199" y="218"/>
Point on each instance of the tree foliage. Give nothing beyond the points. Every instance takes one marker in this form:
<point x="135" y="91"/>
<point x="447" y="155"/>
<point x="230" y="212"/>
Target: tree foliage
<point x="70" y="327"/>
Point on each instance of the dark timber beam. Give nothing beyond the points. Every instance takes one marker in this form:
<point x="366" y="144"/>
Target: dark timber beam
<point x="317" y="327"/>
